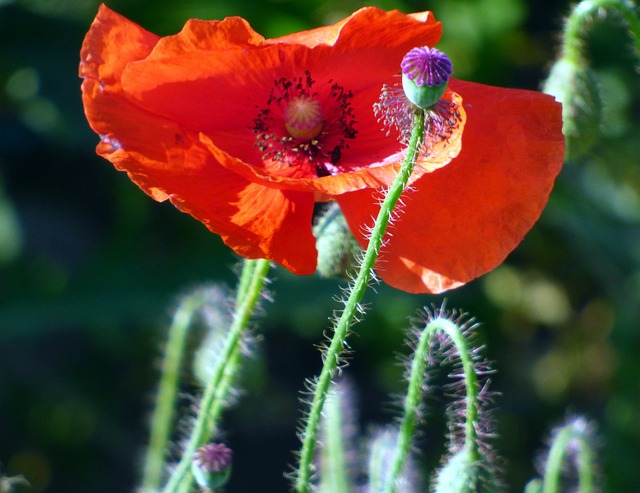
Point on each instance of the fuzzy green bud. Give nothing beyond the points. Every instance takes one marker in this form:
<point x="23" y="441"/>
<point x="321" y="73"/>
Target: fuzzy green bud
<point x="576" y="87"/>
<point x="425" y="75"/>
<point x="463" y="473"/>
<point x="335" y="243"/>
<point x="534" y="486"/>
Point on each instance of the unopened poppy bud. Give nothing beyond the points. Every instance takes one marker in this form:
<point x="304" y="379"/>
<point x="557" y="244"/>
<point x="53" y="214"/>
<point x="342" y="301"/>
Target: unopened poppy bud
<point x="534" y="486"/>
<point x="211" y="465"/>
<point x="463" y="473"/>
<point x="336" y="245"/>
<point x="575" y="86"/>
<point x="425" y="74"/>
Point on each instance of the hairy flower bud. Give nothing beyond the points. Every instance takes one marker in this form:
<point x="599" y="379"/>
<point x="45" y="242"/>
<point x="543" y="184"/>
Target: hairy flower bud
<point x="533" y="486"/>
<point x="425" y="74"/>
<point x="575" y="86"/>
<point x="336" y="244"/>
<point x="464" y="473"/>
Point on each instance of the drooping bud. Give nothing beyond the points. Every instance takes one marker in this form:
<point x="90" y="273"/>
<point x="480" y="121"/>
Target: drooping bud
<point x="575" y="86"/>
<point x="336" y="245"/>
<point x="425" y="74"/>
<point x="211" y="465"/>
<point x="464" y="473"/>
<point x="533" y="486"/>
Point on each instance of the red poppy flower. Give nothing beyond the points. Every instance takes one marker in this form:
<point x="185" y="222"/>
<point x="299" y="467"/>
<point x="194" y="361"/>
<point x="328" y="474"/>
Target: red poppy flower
<point x="246" y="134"/>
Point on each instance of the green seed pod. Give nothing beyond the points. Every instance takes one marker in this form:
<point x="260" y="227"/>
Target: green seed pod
<point x="336" y="245"/>
<point x="425" y="74"/>
<point x="422" y="96"/>
<point x="576" y="87"/>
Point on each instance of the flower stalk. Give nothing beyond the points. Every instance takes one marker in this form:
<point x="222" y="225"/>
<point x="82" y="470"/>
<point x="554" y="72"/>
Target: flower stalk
<point x="250" y="289"/>
<point x="163" y="414"/>
<point x="412" y="403"/>
<point x="332" y="356"/>
<point x="335" y="453"/>
<point x="572" y="443"/>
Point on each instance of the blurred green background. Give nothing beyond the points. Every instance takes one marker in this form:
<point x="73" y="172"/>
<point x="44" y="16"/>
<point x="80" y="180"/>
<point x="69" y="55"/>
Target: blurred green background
<point x="90" y="267"/>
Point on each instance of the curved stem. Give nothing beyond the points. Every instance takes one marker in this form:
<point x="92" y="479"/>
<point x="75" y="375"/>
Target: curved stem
<point x="217" y="389"/>
<point x="163" y="414"/>
<point x="573" y="436"/>
<point x="341" y="329"/>
<point x="414" y="392"/>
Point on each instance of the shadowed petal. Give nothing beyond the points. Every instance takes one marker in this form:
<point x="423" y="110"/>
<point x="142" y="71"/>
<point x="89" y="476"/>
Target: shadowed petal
<point x="462" y="220"/>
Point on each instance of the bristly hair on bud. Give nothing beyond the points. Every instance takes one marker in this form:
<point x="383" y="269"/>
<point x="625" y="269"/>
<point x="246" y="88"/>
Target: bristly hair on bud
<point x="337" y="248"/>
<point x="449" y="337"/>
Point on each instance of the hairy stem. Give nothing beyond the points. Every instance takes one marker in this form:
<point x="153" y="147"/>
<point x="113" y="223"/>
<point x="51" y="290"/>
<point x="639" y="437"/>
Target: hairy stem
<point x="414" y="394"/>
<point x="334" y="462"/>
<point x="163" y="414"/>
<point x="570" y="436"/>
<point x="341" y="330"/>
<point x="251" y="285"/>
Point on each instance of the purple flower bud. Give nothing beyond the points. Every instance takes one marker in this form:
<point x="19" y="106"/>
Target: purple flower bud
<point x="211" y="465"/>
<point x="425" y="74"/>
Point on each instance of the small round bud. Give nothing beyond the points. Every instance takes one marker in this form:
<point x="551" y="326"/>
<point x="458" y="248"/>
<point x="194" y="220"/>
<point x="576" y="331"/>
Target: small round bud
<point x="425" y="74"/>
<point x="211" y="465"/>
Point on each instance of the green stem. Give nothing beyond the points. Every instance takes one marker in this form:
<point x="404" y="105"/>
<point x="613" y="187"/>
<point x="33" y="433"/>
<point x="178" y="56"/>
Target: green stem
<point x="572" y="48"/>
<point x="218" y="387"/>
<point x="570" y="435"/>
<point x="163" y="414"/>
<point x="414" y="395"/>
<point x="334" y="461"/>
<point x="341" y="330"/>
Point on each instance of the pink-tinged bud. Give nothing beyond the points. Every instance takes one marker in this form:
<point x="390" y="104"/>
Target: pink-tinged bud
<point x="211" y="465"/>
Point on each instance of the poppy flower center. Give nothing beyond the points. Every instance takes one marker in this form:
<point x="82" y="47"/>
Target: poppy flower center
<point x="305" y="124"/>
<point x="303" y="118"/>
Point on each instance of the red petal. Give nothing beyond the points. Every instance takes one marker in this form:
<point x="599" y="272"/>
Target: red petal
<point x="462" y="220"/>
<point x="212" y="77"/>
<point x="112" y="42"/>
<point x="372" y="158"/>
<point x="167" y="161"/>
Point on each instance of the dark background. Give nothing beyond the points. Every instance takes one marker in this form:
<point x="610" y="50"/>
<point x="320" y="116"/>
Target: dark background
<point x="91" y="268"/>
